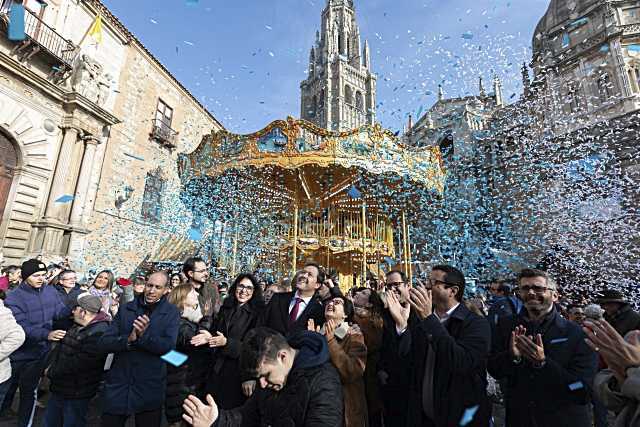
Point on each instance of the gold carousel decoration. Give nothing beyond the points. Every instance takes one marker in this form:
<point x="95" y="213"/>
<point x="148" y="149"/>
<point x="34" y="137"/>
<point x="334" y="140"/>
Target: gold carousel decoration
<point x="342" y="199"/>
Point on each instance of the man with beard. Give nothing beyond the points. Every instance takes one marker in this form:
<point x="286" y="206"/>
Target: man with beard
<point x="289" y="312"/>
<point x="197" y="273"/>
<point x="393" y="372"/>
<point x="547" y="364"/>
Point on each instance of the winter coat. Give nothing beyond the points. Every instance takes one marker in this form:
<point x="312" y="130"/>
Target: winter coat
<point x="70" y="300"/>
<point x="77" y="363"/>
<point x="555" y="395"/>
<point x="624" y="320"/>
<point x="461" y="347"/>
<point x="225" y="381"/>
<point x="349" y="356"/>
<point x="276" y="314"/>
<point x="208" y="297"/>
<point x="35" y="310"/>
<point x="11" y="338"/>
<point x="311" y="397"/>
<point x="503" y="307"/>
<point x="372" y="331"/>
<point x="187" y="378"/>
<point x="624" y="400"/>
<point x="136" y="381"/>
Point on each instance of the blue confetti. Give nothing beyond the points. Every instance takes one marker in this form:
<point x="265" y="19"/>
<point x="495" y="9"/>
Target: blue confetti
<point x="576" y="386"/>
<point x="354" y="193"/>
<point x="64" y="199"/>
<point x="467" y="36"/>
<point x="134" y="157"/>
<point x="633" y="48"/>
<point x="175" y="358"/>
<point x="604" y="48"/>
<point x="195" y="234"/>
<point x="16" y="22"/>
<point x="468" y="415"/>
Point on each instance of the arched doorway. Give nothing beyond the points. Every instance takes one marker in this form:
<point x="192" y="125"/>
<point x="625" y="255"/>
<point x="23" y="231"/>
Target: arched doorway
<point x="8" y="164"/>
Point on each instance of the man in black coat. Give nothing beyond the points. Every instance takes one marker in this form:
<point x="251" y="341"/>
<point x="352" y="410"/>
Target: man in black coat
<point x="618" y="311"/>
<point x="299" y="387"/>
<point x="77" y="365"/>
<point x="393" y="372"/>
<point x="289" y="312"/>
<point x="448" y="349"/>
<point x="547" y="365"/>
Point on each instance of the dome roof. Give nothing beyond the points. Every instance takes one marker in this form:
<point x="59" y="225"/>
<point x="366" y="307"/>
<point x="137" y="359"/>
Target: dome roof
<point x="558" y="13"/>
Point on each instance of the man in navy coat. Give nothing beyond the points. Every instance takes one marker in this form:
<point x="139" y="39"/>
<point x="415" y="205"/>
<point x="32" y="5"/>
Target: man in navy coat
<point x="144" y="329"/>
<point x="544" y="360"/>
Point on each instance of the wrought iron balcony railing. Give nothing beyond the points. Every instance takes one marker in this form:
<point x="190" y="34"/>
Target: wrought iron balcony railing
<point x="163" y="133"/>
<point x="40" y="37"/>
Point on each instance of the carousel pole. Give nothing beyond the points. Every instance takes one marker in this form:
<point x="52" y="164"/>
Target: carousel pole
<point x="364" y="243"/>
<point x="235" y="252"/>
<point x="410" y="274"/>
<point x="404" y="244"/>
<point x="328" y="236"/>
<point x="295" y="241"/>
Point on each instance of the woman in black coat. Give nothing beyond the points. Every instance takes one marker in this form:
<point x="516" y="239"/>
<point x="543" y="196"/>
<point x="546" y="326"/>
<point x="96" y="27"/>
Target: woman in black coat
<point x="238" y="315"/>
<point x="187" y="378"/>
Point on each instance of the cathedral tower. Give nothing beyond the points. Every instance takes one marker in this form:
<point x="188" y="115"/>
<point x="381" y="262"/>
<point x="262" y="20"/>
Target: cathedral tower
<point x="340" y="90"/>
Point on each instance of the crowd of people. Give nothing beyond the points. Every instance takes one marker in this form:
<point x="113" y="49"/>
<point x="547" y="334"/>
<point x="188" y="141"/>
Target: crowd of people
<point x="305" y="353"/>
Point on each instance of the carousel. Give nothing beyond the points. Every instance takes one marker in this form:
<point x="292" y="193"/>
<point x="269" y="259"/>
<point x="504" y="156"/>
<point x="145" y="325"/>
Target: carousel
<point x="293" y="193"/>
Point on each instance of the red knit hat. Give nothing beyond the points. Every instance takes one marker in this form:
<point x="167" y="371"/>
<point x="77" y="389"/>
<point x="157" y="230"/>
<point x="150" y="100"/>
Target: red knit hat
<point x="4" y="283"/>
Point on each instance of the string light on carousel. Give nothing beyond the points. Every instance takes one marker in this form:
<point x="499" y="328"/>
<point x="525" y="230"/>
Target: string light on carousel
<point x="293" y="192"/>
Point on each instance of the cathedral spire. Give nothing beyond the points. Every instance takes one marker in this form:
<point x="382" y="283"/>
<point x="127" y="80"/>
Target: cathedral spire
<point x="366" y="56"/>
<point x="526" y="83"/>
<point x="497" y="89"/>
<point x="483" y="93"/>
<point x="440" y="93"/>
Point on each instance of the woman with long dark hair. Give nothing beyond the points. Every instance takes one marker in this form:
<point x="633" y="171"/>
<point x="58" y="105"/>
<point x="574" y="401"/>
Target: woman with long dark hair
<point x="238" y="314"/>
<point x="101" y="287"/>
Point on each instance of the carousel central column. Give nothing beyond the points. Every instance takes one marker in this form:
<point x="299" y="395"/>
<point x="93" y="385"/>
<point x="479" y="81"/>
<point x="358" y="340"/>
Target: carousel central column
<point x="295" y="241"/>
<point x="364" y="243"/>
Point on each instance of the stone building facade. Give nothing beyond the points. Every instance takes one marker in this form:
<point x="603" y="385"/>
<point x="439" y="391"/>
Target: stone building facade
<point x="90" y="127"/>
<point x="340" y="90"/>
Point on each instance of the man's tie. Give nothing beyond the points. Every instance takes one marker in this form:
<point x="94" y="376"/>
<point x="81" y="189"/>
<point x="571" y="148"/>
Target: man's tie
<point x="293" y="316"/>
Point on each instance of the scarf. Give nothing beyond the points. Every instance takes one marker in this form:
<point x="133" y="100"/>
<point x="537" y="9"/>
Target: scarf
<point x="105" y="298"/>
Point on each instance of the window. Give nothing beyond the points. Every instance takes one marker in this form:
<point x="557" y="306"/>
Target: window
<point x="605" y="87"/>
<point x="164" y="114"/>
<point x="573" y="97"/>
<point x="359" y="101"/>
<point x="631" y="15"/>
<point x="348" y="95"/>
<point x="152" y="198"/>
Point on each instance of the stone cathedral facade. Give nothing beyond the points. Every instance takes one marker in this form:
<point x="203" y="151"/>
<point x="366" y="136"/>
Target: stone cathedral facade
<point x="340" y="90"/>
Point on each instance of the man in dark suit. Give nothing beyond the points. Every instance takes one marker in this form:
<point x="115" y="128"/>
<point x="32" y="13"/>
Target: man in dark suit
<point x="547" y="364"/>
<point x="289" y="312"/>
<point x="448" y="349"/>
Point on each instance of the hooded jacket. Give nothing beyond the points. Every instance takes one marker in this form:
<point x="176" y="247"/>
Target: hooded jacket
<point x="623" y="399"/>
<point x="77" y="364"/>
<point x="35" y="310"/>
<point x="11" y="338"/>
<point x="311" y="397"/>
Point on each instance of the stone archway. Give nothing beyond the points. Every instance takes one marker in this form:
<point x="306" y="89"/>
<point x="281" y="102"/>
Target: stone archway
<point x="8" y="164"/>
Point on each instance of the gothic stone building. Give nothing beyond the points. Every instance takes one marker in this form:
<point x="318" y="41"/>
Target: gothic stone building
<point x="340" y="90"/>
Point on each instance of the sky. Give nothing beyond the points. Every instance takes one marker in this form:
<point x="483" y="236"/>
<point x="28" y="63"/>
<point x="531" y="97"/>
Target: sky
<point x="244" y="60"/>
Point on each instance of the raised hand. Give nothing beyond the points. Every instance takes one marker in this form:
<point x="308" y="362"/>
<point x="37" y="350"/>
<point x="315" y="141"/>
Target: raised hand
<point x="399" y="313"/>
<point x="330" y="329"/>
<point x="619" y="353"/>
<point x="531" y="348"/>
<point x="141" y="324"/>
<point x="421" y="301"/>
<point x="248" y="387"/>
<point x="56" y="335"/>
<point x="197" y="413"/>
<point x="513" y="348"/>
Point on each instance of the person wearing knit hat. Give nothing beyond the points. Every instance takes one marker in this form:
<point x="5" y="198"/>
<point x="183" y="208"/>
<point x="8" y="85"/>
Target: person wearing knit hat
<point x="77" y="365"/>
<point x="35" y="307"/>
<point x="618" y="311"/>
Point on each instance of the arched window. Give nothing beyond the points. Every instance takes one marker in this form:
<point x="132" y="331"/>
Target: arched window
<point x="359" y="101"/>
<point x="573" y="97"/>
<point x="321" y="100"/>
<point x="8" y="163"/>
<point x="348" y="95"/>
<point x="152" y="199"/>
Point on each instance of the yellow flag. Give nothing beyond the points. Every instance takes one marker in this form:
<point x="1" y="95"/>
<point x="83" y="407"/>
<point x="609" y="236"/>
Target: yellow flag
<point x="96" y="29"/>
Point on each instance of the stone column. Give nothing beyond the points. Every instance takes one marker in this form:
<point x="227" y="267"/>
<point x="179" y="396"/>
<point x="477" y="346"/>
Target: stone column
<point x="84" y="180"/>
<point x="63" y="166"/>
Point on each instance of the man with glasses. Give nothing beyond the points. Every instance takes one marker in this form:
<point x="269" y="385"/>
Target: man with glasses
<point x="447" y="348"/>
<point x="544" y="358"/>
<point x="393" y="372"/>
<point x="35" y="307"/>
<point x="197" y="273"/>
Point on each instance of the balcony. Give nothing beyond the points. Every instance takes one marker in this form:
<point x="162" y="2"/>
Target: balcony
<point x="57" y="52"/>
<point x="163" y="134"/>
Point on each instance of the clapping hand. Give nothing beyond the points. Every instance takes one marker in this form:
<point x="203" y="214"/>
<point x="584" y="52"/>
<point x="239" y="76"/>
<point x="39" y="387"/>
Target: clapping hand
<point x="531" y="348"/>
<point x="421" y="301"/>
<point x="618" y="353"/>
<point x="311" y="326"/>
<point x="139" y="326"/>
<point x="218" y="341"/>
<point x="330" y="329"/>
<point x="399" y="313"/>
<point x="201" y="339"/>
<point x="56" y="335"/>
<point x="197" y="413"/>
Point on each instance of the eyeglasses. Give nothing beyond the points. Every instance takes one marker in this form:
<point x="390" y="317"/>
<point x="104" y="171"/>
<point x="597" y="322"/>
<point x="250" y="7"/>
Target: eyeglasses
<point x="434" y="282"/>
<point x="535" y="288"/>
<point x="393" y="285"/>
<point x="247" y="288"/>
<point x="336" y="301"/>
<point x="201" y="271"/>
